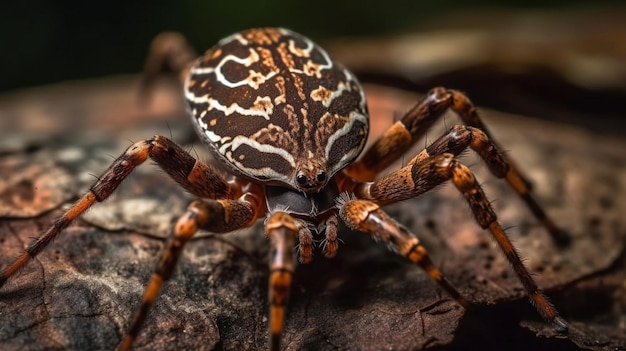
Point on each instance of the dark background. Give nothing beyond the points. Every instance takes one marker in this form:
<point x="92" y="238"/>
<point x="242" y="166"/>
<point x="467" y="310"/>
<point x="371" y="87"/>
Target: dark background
<point x="46" y="41"/>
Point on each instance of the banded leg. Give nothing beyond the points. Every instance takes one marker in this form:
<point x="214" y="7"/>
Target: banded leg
<point x="196" y="177"/>
<point x="419" y="177"/>
<point x="411" y="127"/>
<point x="367" y="216"/>
<point x="404" y="133"/>
<point x="462" y="105"/>
<point x="282" y="231"/>
<point x="460" y="137"/>
<point x="214" y="215"/>
<point x="400" y="136"/>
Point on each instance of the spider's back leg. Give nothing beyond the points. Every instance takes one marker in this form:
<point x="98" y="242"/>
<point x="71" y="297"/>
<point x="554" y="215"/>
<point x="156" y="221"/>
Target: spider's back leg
<point x="169" y="51"/>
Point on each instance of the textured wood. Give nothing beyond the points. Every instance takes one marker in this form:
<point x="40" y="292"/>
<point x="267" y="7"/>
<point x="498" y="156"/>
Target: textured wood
<point x="82" y="290"/>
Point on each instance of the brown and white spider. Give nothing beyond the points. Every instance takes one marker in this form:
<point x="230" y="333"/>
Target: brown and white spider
<point x="288" y="124"/>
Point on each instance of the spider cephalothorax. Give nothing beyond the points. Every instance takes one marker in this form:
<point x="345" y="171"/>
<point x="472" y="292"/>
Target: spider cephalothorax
<point x="289" y="124"/>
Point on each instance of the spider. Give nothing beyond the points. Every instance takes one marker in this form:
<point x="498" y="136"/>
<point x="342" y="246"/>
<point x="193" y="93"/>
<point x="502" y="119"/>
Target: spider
<point x="288" y="125"/>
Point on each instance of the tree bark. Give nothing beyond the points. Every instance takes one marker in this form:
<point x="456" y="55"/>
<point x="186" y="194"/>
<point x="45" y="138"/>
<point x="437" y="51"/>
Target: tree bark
<point x="81" y="291"/>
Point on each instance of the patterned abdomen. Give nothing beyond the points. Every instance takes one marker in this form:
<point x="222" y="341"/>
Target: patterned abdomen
<point x="274" y="107"/>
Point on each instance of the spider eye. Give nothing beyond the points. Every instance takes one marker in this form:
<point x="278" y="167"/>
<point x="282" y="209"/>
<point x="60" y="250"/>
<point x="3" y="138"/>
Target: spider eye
<point x="321" y="176"/>
<point x="301" y="179"/>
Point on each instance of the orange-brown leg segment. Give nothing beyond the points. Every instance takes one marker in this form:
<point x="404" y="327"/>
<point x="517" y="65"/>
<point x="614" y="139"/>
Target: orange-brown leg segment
<point x="282" y="231"/>
<point x="462" y="105"/>
<point x="214" y="215"/>
<point x="193" y="175"/>
<point x="367" y="216"/>
<point x="460" y="137"/>
<point x="419" y="177"/>
<point x="404" y="133"/>
<point x="465" y="181"/>
<point x="410" y="128"/>
<point x="401" y="136"/>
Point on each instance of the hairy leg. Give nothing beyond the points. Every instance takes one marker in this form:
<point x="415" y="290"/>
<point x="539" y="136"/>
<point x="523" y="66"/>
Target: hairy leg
<point x="193" y="175"/>
<point x="419" y="177"/>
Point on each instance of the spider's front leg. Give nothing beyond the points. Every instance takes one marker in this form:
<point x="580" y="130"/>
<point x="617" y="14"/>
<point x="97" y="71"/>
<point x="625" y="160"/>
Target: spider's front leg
<point x="461" y="137"/>
<point x="414" y="124"/>
<point x="282" y="231"/>
<point x="222" y="215"/>
<point x="424" y="173"/>
<point x="217" y="216"/>
<point x="193" y="175"/>
<point x="367" y="216"/>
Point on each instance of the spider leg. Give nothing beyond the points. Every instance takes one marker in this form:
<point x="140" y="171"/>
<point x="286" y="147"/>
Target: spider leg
<point x="282" y="231"/>
<point x="169" y="51"/>
<point x="405" y="132"/>
<point x="400" y="136"/>
<point x="419" y="177"/>
<point x="217" y="216"/>
<point x="367" y="216"/>
<point x="193" y="175"/>
<point x="410" y="128"/>
<point x="460" y="137"/>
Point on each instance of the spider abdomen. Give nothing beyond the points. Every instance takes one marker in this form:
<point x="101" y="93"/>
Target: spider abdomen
<point x="274" y="107"/>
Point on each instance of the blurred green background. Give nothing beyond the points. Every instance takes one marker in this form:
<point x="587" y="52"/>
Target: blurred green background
<point x="46" y="41"/>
